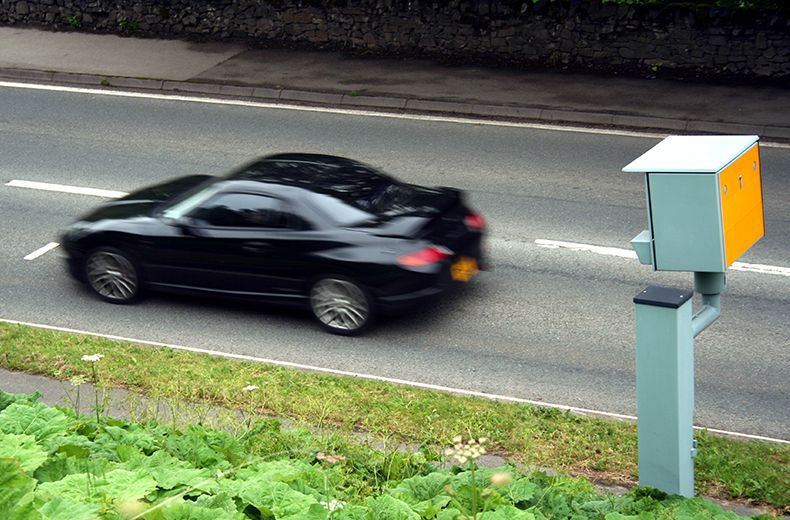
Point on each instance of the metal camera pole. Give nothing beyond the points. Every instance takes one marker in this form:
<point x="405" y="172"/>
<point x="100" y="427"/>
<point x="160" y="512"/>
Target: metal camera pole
<point x="704" y="202"/>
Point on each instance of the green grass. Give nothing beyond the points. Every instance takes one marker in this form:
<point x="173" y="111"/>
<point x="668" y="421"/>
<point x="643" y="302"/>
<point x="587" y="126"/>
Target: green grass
<point x="537" y="437"/>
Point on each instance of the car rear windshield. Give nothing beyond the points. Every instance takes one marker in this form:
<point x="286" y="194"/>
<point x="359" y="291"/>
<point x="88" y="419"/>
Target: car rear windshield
<point x="351" y="197"/>
<point x="347" y="192"/>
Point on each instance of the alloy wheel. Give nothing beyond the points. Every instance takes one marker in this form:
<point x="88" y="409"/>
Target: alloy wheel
<point x="112" y="276"/>
<point x="340" y="305"/>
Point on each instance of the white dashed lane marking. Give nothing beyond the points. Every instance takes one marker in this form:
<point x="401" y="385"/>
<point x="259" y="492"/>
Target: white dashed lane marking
<point x="41" y="250"/>
<point x="62" y="188"/>
<point x="627" y="253"/>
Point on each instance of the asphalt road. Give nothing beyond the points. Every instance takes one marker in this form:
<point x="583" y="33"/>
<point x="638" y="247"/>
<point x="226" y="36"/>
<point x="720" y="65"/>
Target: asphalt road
<point x="555" y="325"/>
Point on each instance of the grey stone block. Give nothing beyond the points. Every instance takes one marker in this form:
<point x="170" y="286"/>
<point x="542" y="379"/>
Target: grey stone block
<point x="186" y="86"/>
<point x="232" y="90"/>
<point x="650" y="122"/>
<point x="149" y="84"/>
<point x="323" y="98"/>
<point x="267" y="93"/>
<point x="438" y="106"/>
<point x="570" y="116"/>
<point x="374" y="101"/>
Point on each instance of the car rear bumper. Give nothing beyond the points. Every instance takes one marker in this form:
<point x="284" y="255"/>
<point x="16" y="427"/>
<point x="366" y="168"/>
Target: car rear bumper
<point x="452" y="275"/>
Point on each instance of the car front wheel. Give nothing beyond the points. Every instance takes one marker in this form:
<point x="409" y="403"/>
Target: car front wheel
<point x="341" y="306"/>
<point x="112" y="274"/>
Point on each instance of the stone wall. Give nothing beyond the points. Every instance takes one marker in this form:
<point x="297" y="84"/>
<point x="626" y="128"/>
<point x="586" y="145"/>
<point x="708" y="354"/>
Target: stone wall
<point x="580" y="34"/>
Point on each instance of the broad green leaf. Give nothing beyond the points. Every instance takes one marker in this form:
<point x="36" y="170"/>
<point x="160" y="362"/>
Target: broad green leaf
<point x="16" y="492"/>
<point x="619" y="516"/>
<point x="204" y="449"/>
<point x="35" y="419"/>
<point x="62" y="464"/>
<point x="118" y="484"/>
<point x="184" y="510"/>
<point x="352" y="512"/>
<point x="111" y="436"/>
<point x="168" y="471"/>
<point x="299" y="475"/>
<point x="420" y="488"/>
<point x="65" y="509"/>
<point x="314" y="512"/>
<point x="23" y="448"/>
<point x="275" y="498"/>
<point x="506" y="513"/>
<point x="521" y="490"/>
<point x="386" y="507"/>
<point x="430" y="508"/>
<point x="449" y="514"/>
<point x="68" y="441"/>
<point x="6" y="398"/>
<point x="219" y="501"/>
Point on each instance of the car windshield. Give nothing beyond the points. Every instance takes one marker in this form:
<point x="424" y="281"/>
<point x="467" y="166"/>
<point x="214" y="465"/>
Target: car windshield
<point x="191" y="199"/>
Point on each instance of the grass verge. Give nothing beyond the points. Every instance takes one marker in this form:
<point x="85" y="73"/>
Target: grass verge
<point x="603" y="450"/>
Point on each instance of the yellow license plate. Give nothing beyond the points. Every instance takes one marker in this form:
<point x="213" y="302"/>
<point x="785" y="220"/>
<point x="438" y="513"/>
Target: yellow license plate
<point x="464" y="269"/>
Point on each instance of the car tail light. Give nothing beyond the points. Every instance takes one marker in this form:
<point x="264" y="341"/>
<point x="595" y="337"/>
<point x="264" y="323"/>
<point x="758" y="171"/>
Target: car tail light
<point x="425" y="256"/>
<point x="475" y="222"/>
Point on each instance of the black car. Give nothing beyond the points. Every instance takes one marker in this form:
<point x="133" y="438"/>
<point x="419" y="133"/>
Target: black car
<point x="324" y="232"/>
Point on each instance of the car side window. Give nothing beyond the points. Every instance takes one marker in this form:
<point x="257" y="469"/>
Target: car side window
<point x="248" y="210"/>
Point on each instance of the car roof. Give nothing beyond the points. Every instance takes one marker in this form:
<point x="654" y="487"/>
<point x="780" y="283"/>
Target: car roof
<point x="314" y="172"/>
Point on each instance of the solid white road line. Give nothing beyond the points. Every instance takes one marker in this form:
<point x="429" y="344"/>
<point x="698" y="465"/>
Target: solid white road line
<point x="40" y="251"/>
<point x="62" y="188"/>
<point x="346" y="111"/>
<point x="312" y="368"/>
<point x="627" y="253"/>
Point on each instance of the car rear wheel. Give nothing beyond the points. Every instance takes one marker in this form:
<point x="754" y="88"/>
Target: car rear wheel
<point x="112" y="274"/>
<point x="341" y="305"/>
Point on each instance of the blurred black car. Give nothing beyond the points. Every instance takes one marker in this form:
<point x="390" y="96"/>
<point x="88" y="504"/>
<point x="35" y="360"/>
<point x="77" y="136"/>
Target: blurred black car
<point x="324" y="232"/>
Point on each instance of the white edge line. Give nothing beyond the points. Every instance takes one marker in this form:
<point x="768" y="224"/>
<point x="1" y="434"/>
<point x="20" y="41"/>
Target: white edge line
<point x="347" y="111"/>
<point x="303" y="108"/>
<point x="62" y="188"/>
<point x="626" y="253"/>
<point x="312" y="368"/>
<point x="42" y="250"/>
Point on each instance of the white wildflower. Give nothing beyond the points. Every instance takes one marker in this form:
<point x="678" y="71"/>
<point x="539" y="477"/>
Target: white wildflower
<point x="94" y="358"/>
<point x="332" y="505"/>
<point x="78" y="380"/>
<point x="249" y="388"/>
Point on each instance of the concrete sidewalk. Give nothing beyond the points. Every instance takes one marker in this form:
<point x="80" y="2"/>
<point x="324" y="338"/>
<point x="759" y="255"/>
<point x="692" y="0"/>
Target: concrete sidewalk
<point x="416" y="86"/>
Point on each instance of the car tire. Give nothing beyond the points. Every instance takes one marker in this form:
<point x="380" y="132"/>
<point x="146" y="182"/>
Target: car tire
<point x="341" y="305"/>
<point x="113" y="275"/>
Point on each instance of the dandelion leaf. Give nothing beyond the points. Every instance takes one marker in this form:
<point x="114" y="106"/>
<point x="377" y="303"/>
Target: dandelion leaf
<point x="16" y="492"/>
<point x="24" y="449"/>
<point x="35" y="419"/>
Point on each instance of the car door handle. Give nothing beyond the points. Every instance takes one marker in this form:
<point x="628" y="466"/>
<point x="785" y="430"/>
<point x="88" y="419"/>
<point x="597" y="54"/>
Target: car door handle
<point x="256" y="246"/>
